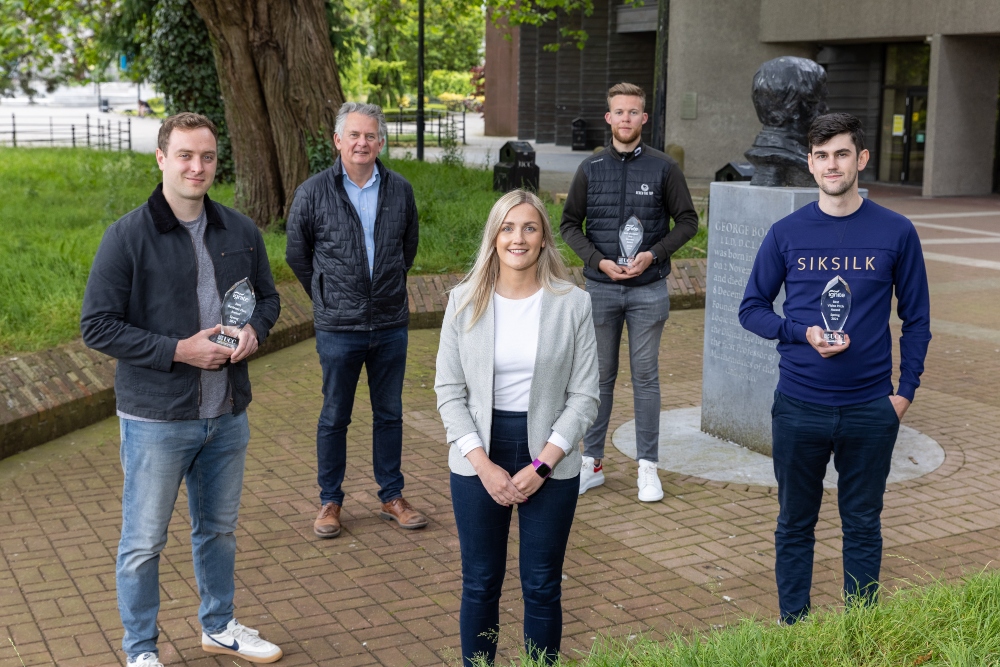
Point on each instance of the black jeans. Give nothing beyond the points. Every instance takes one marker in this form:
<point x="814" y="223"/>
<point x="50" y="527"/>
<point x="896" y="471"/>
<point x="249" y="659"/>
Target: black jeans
<point x="861" y="438"/>
<point x="483" y="528"/>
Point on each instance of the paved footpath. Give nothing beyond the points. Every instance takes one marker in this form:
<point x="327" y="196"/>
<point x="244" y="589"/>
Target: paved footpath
<point x="381" y="596"/>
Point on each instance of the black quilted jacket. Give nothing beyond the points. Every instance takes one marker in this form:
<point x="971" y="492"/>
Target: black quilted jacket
<point x="326" y="251"/>
<point x="611" y="186"/>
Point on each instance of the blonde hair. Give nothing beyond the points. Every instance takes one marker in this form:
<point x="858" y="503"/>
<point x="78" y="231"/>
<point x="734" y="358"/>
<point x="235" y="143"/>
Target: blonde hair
<point x="625" y="88"/>
<point x="482" y="279"/>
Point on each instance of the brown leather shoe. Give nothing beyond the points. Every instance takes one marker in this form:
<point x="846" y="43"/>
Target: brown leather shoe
<point x="402" y="513"/>
<point x="327" y="522"/>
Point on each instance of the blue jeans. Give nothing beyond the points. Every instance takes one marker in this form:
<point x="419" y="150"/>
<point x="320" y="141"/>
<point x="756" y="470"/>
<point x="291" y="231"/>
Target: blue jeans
<point x="209" y="455"/>
<point x="861" y="438"/>
<point x="645" y="309"/>
<point x="483" y="528"/>
<point x="342" y="354"/>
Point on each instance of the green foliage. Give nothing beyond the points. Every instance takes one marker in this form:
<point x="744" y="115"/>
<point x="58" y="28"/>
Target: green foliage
<point x="126" y="32"/>
<point x="54" y="207"/>
<point x="452" y="154"/>
<point x="384" y="68"/>
<point x="50" y="41"/>
<point x="56" y="203"/>
<point x="453" y="36"/>
<point x="537" y="12"/>
<point x="453" y="202"/>
<point x="376" y="45"/>
<point x="448" y="81"/>
<point x="182" y="65"/>
<point x="385" y="78"/>
<point x="320" y="153"/>
<point x="349" y="36"/>
<point x="167" y="43"/>
<point x="934" y="625"/>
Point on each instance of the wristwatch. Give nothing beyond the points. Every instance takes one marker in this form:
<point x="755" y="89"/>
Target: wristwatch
<point x="542" y="468"/>
<point x="656" y="260"/>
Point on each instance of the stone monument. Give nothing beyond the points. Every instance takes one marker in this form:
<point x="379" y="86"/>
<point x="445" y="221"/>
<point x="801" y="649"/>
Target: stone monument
<point x="740" y="369"/>
<point x="728" y="439"/>
<point x="788" y="94"/>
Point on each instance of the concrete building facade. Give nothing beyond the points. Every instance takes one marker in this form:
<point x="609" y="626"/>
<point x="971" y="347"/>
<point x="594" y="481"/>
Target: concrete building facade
<point x="923" y="76"/>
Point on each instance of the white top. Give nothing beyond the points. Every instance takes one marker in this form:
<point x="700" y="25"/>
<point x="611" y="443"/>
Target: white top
<point x="515" y="341"/>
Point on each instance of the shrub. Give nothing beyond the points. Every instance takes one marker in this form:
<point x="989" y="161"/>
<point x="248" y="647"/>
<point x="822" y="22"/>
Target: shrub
<point x="443" y="81"/>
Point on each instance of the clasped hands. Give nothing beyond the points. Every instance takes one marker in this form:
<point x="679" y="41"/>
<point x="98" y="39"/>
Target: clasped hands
<point x="201" y="352"/>
<point x="640" y="263"/>
<point x="502" y="487"/>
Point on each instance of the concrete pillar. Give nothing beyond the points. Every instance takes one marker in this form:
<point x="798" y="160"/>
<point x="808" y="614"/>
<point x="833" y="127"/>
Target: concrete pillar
<point x="961" y="115"/>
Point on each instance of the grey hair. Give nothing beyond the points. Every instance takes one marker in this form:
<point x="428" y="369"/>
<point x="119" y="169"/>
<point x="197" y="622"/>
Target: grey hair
<point x="370" y="110"/>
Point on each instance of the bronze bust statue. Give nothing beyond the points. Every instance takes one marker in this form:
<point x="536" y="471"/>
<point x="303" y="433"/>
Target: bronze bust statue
<point x="788" y="94"/>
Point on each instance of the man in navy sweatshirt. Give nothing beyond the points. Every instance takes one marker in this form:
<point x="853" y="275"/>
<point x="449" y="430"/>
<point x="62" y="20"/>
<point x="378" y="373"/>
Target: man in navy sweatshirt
<point x="837" y="397"/>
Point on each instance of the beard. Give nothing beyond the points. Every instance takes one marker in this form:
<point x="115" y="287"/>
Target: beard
<point x="627" y="135"/>
<point x="845" y="185"/>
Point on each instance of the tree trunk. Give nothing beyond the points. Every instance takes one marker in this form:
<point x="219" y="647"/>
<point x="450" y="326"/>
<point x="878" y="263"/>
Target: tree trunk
<point x="281" y="89"/>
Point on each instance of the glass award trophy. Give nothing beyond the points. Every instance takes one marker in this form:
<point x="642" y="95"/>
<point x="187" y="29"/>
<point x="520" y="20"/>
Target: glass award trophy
<point x="629" y="240"/>
<point x="835" y="305"/>
<point x="237" y="307"/>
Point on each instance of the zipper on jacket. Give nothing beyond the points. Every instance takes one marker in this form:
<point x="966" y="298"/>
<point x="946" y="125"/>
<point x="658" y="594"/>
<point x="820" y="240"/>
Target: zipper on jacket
<point x="342" y="192"/>
<point x="621" y="213"/>
<point x="378" y="211"/>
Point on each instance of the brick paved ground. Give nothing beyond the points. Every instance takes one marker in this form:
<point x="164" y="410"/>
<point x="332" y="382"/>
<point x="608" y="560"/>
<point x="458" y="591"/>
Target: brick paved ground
<point x="381" y="596"/>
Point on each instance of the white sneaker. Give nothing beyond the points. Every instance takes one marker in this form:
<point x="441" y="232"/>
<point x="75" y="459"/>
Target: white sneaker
<point x="145" y="660"/>
<point x="590" y="475"/>
<point x="242" y="642"/>
<point x="650" y="489"/>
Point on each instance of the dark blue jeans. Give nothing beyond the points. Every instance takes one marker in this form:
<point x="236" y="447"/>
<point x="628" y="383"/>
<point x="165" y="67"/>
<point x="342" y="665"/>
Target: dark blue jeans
<point x="342" y="354"/>
<point x="861" y="438"/>
<point x="483" y="528"/>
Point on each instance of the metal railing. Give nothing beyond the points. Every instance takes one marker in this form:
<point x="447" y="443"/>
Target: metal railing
<point x="439" y="126"/>
<point x="100" y="134"/>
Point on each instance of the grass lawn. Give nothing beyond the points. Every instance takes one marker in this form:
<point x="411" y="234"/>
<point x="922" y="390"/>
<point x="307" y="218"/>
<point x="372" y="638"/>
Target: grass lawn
<point x="56" y="203"/>
<point x="932" y="626"/>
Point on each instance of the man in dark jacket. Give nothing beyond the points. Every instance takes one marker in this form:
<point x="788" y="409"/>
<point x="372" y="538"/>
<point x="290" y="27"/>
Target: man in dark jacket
<point x="153" y="300"/>
<point x="352" y="237"/>
<point x="628" y="284"/>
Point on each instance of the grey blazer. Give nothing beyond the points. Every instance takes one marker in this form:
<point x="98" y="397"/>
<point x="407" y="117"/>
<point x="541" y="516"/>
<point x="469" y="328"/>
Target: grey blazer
<point x="564" y="393"/>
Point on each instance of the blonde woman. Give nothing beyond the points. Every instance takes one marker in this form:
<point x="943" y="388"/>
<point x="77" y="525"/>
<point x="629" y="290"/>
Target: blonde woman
<point x="517" y="387"/>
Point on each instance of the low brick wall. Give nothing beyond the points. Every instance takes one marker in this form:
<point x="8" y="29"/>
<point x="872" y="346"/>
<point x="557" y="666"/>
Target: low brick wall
<point x="46" y="394"/>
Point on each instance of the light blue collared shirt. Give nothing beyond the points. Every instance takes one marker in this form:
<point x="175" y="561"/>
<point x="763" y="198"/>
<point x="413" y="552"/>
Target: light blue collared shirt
<point x="365" y="201"/>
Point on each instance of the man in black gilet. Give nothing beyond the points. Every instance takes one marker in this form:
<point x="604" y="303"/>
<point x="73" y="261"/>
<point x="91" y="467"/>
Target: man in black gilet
<point x="628" y="179"/>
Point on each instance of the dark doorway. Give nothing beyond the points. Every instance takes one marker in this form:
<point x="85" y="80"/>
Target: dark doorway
<point x="903" y="130"/>
<point x="915" y="136"/>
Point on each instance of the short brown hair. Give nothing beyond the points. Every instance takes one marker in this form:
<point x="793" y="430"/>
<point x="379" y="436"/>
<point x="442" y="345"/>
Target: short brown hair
<point x="629" y="89"/>
<point x="183" y="121"/>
